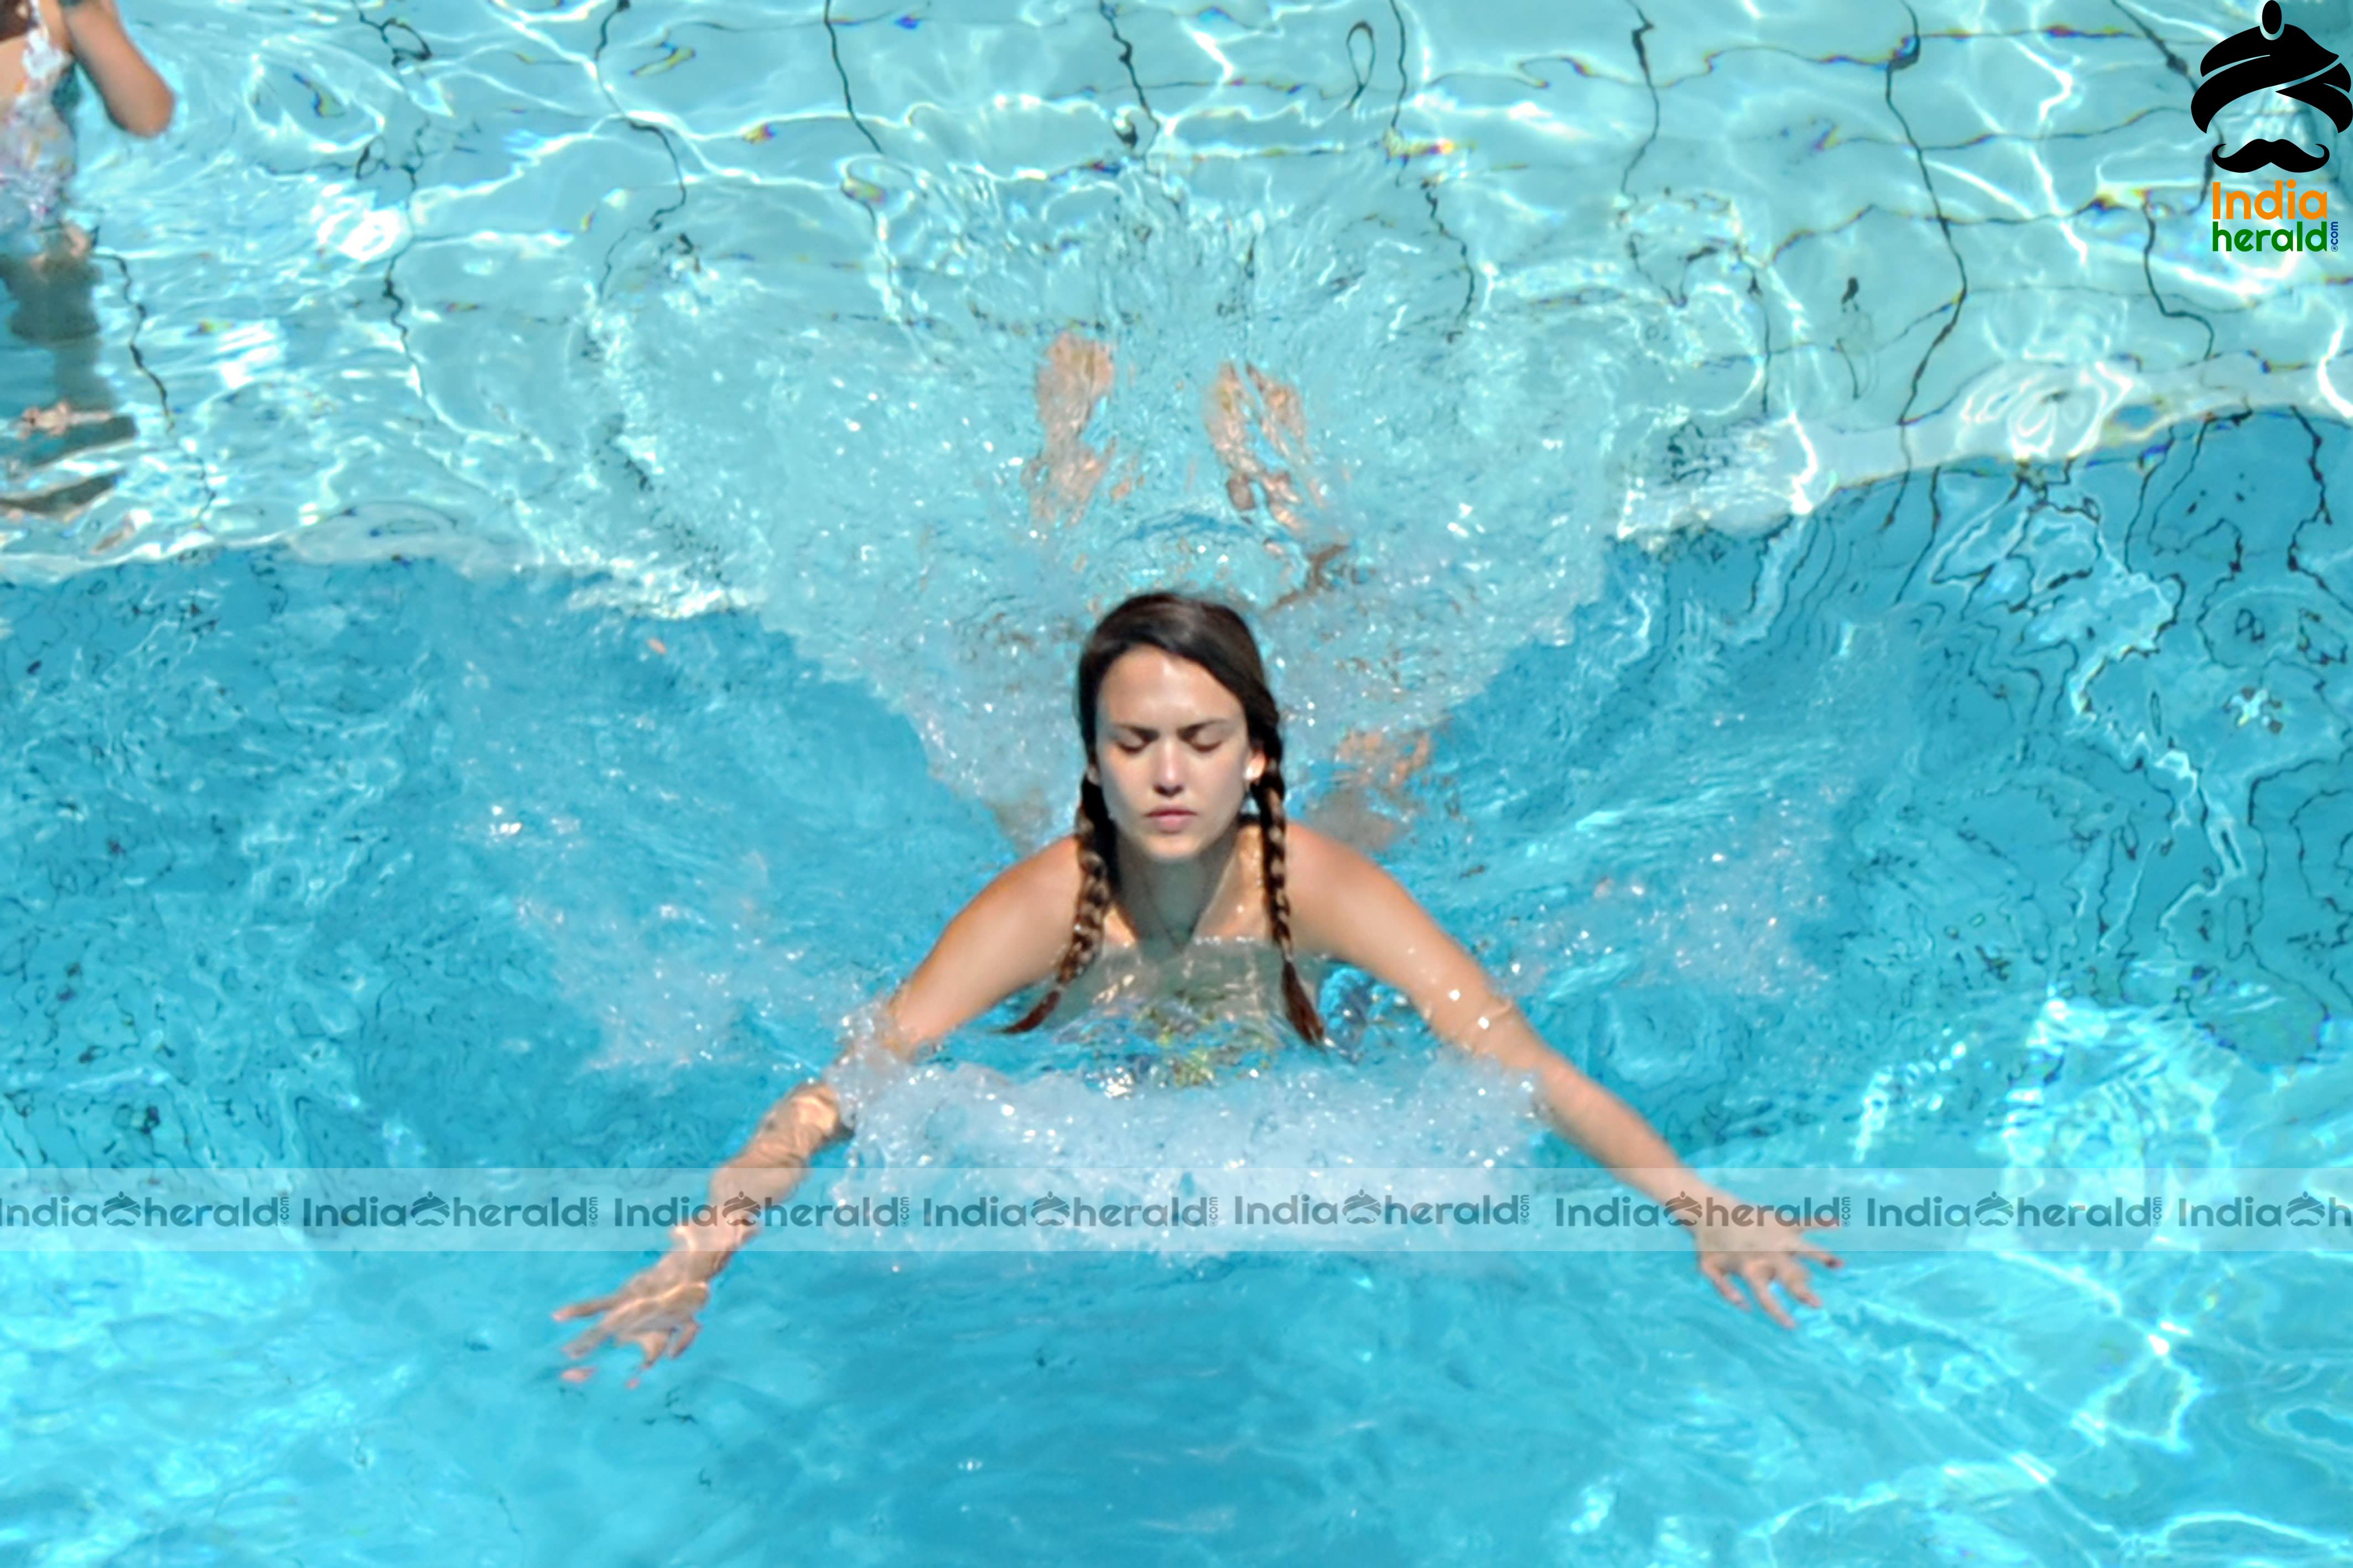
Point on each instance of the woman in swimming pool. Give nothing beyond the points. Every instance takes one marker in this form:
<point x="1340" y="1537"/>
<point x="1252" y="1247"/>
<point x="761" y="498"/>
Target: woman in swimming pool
<point x="1180" y="731"/>
<point x="45" y="263"/>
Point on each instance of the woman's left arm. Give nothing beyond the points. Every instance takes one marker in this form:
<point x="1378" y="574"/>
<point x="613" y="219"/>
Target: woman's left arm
<point x="1348" y="907"/>
<point x="137" y="99"/>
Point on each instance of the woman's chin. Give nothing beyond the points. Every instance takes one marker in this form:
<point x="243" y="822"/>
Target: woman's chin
<point x="1172" y="843"/>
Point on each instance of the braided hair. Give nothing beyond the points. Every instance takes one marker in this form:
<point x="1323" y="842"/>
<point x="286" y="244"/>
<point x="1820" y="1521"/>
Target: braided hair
<point x="1219" y="641"/>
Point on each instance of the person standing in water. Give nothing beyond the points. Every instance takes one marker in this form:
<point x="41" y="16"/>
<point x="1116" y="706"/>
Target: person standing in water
<point x="1181" y="731"/>
<point x="45" y="263"/>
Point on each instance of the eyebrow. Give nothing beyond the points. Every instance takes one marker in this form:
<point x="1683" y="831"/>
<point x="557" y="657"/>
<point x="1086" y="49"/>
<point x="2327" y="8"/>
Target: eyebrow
<point x="1193" y="729"/>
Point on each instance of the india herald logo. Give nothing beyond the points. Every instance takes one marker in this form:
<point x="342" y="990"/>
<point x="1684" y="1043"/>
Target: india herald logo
<point x="2276" y="56"/>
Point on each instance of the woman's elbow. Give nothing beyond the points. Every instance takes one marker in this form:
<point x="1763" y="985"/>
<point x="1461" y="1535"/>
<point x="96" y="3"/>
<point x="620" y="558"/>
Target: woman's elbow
<point x="149" y="118"/>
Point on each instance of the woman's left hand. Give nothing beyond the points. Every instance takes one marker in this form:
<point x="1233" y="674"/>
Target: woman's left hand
<point x="1760" y="1251"/>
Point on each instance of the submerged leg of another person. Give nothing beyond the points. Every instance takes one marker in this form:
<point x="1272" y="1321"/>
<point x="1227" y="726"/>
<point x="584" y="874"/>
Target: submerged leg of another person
<point x="62" y="503"/>
<point x="54" y="291"/>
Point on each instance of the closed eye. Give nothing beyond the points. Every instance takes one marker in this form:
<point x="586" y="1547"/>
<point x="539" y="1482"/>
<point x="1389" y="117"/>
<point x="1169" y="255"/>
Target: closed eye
<point x="1136" y="741"/>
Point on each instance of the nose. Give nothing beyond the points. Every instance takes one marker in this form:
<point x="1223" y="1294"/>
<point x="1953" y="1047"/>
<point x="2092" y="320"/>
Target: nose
<point x="1169" y="770"/>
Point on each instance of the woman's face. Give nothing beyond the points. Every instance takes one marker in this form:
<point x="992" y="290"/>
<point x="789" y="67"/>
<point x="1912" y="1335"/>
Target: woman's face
<point x="1172" y="754"/>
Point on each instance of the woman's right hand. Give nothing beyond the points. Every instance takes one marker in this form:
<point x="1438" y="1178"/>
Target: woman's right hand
<point x="654" y="1311"/>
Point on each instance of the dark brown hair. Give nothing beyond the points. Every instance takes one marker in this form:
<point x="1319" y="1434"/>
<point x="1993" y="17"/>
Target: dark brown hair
<point x="1213" y="636"/>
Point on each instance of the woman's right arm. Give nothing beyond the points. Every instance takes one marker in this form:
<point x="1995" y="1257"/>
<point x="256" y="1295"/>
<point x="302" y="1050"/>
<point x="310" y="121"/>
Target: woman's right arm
<point x="136" y="96"/>
<point x="1010" y="936"/>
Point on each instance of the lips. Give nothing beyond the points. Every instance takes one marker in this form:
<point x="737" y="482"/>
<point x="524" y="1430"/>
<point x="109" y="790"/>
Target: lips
<point x="1169" y="818"/>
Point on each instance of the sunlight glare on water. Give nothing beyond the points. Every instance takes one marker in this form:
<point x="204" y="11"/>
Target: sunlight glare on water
<point x="1809" y="563"/>
<point x="744" y="309"/>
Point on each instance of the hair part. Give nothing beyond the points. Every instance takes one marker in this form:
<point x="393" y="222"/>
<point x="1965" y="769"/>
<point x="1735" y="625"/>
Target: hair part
<point x="1215" y="638"/>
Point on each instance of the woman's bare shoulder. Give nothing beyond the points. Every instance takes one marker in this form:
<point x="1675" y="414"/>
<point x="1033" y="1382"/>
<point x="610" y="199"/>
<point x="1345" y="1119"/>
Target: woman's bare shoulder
<point x="1011" y="935"/>
<point x="1315" y="855"/>
<point x="1323" y="877"/>
<point x="1048" y="880"/>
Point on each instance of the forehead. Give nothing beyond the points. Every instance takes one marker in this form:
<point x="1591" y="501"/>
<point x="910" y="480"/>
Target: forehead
<point x="1156" y="689"/>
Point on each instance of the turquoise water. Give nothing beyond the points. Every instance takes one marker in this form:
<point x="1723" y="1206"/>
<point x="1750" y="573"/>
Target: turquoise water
<point x="1867" y="572"/>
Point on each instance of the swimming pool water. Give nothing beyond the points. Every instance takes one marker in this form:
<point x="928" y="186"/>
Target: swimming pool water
<point x="507" y="714"/>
